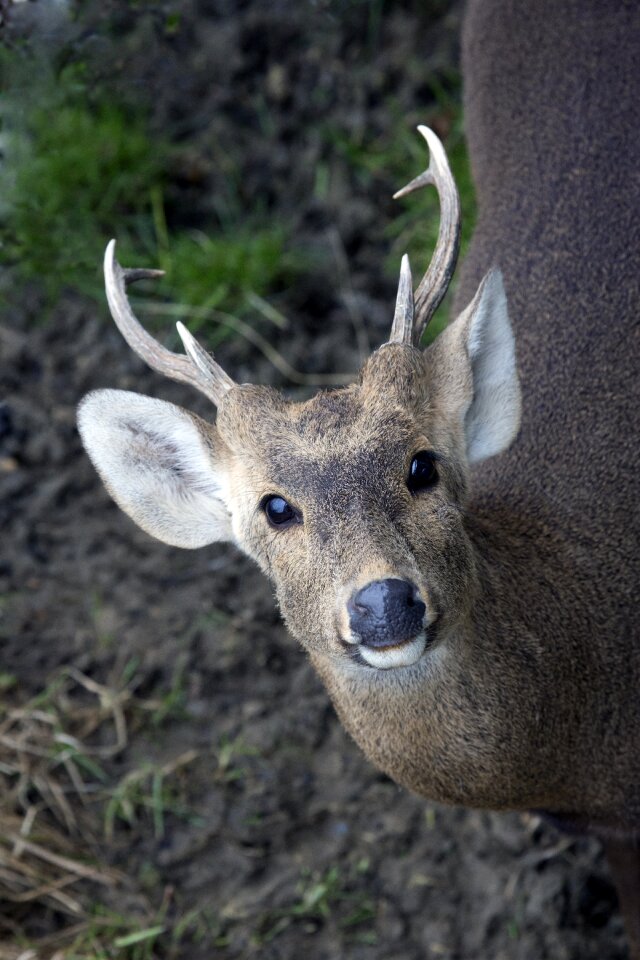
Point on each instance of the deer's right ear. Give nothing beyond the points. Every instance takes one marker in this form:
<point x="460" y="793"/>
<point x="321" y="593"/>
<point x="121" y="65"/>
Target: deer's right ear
<point x="163" y="466"/>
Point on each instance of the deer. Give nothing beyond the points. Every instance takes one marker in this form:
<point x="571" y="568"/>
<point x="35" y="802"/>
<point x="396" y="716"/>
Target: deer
<point x="452" y="536"/>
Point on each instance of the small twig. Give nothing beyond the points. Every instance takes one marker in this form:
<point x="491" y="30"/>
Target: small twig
<point x="28" y="820"/>
<point x="268" y="311"/>
<point x="181" y="761"/>
<point x="111" y="702"/>
<point x="64" y="863"/>
<point x="22" y="748"/>
<point x="52" y="890"/>
<point x="533" y="859"/>
<point x="344" y="279"/>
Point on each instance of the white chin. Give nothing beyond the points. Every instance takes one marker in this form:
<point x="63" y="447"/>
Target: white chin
<point x="402" y="655"/>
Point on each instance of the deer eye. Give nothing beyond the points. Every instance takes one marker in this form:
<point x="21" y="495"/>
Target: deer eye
<point x="279" y="512"/>
<point x="423" y="472"/>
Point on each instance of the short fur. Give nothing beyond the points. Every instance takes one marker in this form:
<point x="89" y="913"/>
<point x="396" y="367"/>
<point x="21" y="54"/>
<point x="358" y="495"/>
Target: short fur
<point x="552" y="110"/>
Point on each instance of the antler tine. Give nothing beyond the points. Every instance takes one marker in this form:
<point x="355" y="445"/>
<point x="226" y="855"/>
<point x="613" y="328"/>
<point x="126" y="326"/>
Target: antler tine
<point x="198" y="369"/>
<point x="435" y="282"/>
<point x="402" y="327"/>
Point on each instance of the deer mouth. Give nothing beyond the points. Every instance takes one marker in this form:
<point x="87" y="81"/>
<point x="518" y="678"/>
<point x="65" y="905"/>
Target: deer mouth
<point x="403" y="654"/>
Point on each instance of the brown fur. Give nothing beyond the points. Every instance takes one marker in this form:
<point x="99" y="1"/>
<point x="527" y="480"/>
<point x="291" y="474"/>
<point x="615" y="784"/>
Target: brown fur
<point x="553" y="120"/>
<point x="552" y="111"/>
<point x="499" y="577"/>
<point x="342" y="459"/>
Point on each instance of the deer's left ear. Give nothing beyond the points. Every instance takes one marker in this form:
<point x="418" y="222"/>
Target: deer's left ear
<point x="472" y="367"/>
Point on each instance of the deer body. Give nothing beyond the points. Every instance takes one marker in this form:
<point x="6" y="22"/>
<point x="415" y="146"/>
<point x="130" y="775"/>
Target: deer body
<point x="552" y="112"/>
<point x="553" y="118"/>
<point x="472" y="616"/>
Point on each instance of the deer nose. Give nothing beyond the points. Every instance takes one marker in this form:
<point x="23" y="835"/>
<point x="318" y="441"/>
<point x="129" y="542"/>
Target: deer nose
<point x="385" y="613"/>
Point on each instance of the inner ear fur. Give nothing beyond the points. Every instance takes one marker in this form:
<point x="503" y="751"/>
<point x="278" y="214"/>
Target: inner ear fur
<point x="165" y="467"/>
<point x="472" y="373"/>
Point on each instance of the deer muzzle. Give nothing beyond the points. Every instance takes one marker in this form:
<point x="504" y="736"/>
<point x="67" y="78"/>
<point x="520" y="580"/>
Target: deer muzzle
<point x="387" y="621"/>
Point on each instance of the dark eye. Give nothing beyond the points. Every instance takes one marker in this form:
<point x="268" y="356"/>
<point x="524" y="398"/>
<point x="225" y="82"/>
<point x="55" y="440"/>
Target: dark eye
<point x="279" y="512"/>
<point x="423" y="472"/>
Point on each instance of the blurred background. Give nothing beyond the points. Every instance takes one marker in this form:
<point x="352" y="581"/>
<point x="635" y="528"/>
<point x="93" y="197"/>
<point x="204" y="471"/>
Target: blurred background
<point x="173" y="780"/>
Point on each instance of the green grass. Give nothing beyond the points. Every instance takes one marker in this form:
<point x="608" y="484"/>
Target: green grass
<point x="229" y="755"/>
<point x="112" y="935"/>
<point x="77" y="170"/>
<point x="143" y="793"/>
<point x="319" y="897"/>
<point x="222" y="271"/>
<point x="7" y="681"/>
<point x="56" y="759"/>
<point x="108" y="934"/>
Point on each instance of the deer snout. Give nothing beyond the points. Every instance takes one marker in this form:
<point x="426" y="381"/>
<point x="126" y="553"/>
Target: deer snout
<point x="385" y="613"/>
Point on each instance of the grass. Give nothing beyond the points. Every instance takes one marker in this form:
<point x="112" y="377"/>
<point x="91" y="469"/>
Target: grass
<point x="63" y="803"/>
<point x="224" y="271"/>
<point x="74" y="169"/>
<point x="143" y="792"/>
<point x="79" y="169"/>
<point x="57" y="787"/>
<point x="229" y="755"/>
<point x="106" y="934"/>
<point x="321" y="896"/>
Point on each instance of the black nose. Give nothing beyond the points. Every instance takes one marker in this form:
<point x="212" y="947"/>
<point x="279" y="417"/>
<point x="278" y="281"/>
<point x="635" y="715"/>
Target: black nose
<point x="386" y="612"/>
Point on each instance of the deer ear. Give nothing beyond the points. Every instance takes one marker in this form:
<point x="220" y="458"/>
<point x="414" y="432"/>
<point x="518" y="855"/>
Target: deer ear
<point x="474" y="366"/>
<point x="163" y="466"/>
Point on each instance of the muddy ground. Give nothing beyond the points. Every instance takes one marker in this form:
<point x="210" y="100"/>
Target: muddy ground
<point x="276" y="838"/>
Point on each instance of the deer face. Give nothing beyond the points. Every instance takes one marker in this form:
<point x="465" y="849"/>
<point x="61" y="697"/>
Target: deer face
<point x="352" y="502"/>
<point x="361" y="552"/>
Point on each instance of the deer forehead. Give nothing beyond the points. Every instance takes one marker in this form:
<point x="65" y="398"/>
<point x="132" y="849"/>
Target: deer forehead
<point x="390" y="395"/>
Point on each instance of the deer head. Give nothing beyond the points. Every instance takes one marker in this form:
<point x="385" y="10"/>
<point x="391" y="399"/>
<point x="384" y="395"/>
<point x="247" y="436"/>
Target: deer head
<point x="352" y="502"/>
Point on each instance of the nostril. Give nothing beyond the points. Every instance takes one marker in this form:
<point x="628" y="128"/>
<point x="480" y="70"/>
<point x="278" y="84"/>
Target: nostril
<point x="386" y="612"/>
<point x="414" y="599"/>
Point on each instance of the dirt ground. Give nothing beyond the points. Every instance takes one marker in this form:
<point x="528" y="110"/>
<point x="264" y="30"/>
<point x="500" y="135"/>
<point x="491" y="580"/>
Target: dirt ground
<point x="276" y="837"/>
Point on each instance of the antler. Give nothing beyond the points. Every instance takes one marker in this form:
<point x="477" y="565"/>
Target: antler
<point x="198" y="369"/>
<point x="434" y="283"/>
<point x="402" y="327"/>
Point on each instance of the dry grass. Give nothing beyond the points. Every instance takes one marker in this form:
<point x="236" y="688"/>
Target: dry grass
<point x="54" y="789"/>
